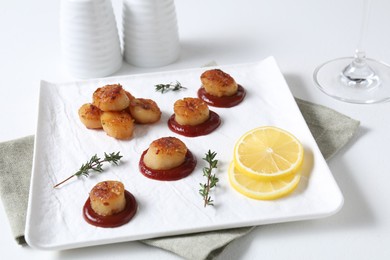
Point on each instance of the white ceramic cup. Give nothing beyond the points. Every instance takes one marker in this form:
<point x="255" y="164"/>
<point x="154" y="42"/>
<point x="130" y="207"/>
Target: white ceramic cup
<point x="89" y="38"/>
<point x="150" y="32"/>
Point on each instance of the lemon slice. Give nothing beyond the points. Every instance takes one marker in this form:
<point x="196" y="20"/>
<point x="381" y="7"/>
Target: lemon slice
<point x="268" y="153"/>
<point x="262" y="189"/>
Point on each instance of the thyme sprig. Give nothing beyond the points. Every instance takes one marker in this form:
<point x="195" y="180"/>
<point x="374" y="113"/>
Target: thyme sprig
<point x="94" y="164"/>
<point x="167" y="87"/>
<point x="212" y="180"/>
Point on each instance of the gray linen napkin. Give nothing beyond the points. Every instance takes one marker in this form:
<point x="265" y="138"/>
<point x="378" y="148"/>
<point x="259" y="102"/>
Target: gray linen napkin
<point x="330" y="129"/>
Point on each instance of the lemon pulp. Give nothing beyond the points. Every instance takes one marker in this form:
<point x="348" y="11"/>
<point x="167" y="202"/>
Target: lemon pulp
<point x="268" y="153"/>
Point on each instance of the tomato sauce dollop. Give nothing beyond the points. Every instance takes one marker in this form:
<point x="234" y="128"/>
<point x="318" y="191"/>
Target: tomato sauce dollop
<point x="224" y="101"/>
<point x="204" y="128"/>
<point x="114" y="220"/>
<point x="177" y="173"/>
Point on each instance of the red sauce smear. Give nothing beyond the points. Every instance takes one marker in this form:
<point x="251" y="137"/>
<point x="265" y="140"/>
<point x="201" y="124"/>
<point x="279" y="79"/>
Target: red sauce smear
<point x="224" y="101"/>
<point x="115" y="220"/>
<point x="191" y="131"/>
<point x="177" y="173"/>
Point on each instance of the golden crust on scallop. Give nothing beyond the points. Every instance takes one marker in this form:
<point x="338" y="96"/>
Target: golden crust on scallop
<point x="191" y="111"/>
<point x="111" y="98"/>
<point x="165" y="153"/>
<point x="218" y="83"/>
<point x="119" y="125"/>
<point x="90" y="116"/>
<point x="108" y="198"/>
<point x="144" y="111"/>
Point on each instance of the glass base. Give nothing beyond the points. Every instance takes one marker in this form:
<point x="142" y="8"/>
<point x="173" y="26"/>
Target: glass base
<point x="332" y="78"/>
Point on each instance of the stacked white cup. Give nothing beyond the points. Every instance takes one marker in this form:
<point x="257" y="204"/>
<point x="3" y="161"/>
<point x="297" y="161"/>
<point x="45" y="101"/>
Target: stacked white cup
<point x="150" y="32"/>
<point x="89" y="38"/>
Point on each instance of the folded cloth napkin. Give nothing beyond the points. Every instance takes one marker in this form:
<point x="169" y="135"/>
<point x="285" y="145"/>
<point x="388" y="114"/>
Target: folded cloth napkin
<point x="330" y="129"/>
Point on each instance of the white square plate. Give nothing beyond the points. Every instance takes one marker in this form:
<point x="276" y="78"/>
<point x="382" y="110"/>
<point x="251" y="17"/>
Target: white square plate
<point x="54" y="218"/>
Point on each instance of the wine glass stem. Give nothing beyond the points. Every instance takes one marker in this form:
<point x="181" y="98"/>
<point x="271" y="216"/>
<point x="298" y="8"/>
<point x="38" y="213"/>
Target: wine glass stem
<point x="358" y="73"/>
<point x="366" y="7"/>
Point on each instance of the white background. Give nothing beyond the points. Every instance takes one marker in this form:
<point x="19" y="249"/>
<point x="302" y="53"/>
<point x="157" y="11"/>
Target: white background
<point x="300" y="34"/>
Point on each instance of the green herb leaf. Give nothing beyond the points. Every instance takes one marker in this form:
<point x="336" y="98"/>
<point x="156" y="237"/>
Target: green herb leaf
<point x="167" y="87"/>
<point x="212" y="180"/>
<point x="94" y="164"/>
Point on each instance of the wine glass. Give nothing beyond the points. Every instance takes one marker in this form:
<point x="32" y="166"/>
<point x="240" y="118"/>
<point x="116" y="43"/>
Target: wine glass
<point x="355" y="79"/>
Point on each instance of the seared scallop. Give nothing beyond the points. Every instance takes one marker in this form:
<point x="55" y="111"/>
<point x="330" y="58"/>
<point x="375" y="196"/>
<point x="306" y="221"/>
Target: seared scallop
<point x="190" y="111"/>
<point x="144" y="111"/>
<point x="111" y="98"/>
<point x="90" y="116"/>
<point x="218" y="83"/>
<point x="119" y="125"/>
<point x="165" y="153"/>
<point x="108" y="198"/>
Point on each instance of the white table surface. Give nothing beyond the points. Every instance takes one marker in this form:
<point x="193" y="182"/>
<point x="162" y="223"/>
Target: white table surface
<point x="300" y="34"/>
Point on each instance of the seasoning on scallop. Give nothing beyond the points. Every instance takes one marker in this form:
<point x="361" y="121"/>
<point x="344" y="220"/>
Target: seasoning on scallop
<point x="192" y="117"/>
<point x="90" y="116"/>
<point x="167" y="158"/>
<point x="119" y="125"/>
<point x="109" y="205"/>
<point x="111" y="98"/>
<point x="219" y="89"/>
